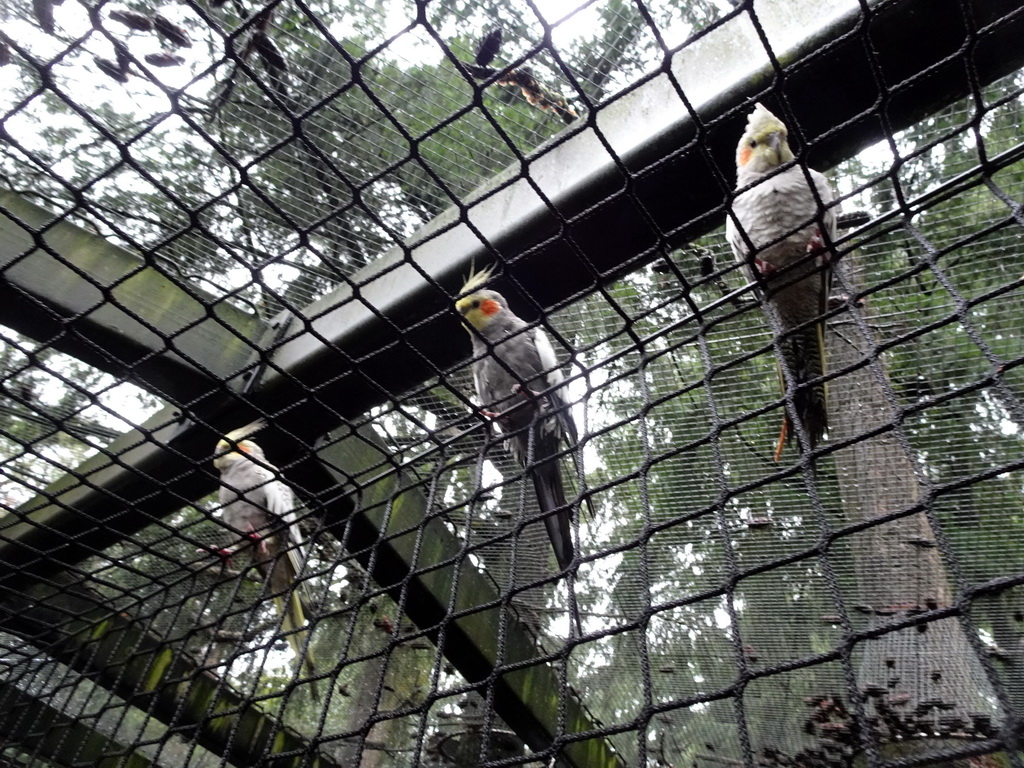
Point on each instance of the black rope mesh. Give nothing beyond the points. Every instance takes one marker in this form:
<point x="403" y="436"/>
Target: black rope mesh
<point x="216" y="212"/>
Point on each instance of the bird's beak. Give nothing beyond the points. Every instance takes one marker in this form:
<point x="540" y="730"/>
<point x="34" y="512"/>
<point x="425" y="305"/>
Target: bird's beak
<point x="775" y="142"/>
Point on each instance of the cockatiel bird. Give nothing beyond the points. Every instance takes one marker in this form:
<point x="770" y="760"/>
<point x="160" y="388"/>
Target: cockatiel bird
<point x="262" y="508"/>
<point x="784" y="229"/>
<point x="520" y="385"/>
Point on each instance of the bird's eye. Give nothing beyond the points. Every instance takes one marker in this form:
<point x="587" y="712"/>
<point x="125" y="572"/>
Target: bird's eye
<point x="753" y="142"/>
<point x="476" y="304"/>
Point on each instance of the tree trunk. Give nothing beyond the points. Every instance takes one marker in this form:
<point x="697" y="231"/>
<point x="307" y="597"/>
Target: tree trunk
<point x="925" y="681"/>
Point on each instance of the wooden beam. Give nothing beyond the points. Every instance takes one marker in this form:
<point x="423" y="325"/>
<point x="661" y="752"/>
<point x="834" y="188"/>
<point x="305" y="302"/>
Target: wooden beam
<point x="140" y="477"/>
<point x="393" y="325"/>
<point x="155" y="462"/>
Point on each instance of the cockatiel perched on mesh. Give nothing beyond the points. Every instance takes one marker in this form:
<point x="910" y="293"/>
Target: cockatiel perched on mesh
<point x="519" y="382"/>
<point x="261" y="507"/>
<point x="783" y="221"/>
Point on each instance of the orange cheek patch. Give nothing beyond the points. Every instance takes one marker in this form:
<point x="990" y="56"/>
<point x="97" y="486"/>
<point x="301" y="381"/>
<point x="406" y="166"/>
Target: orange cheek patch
<point x="490" y="307"/>
<point x="744" y="155"/>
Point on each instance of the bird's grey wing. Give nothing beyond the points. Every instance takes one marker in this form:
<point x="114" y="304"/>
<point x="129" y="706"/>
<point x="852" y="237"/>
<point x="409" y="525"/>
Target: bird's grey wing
<point x="532" y="357"/>
<point x="733" y="236"/>
<point x="281" y="505"/>
<point x="830" y="222"/>
<point x="481" y="375"/>
<point x="741" y="228"/>
<point x="243" y="495"/>
<point x="521" y="354"/>
<point x="830" y="216"/>
<point x="555" y="381"/>
<point x="479" y="382"/>
<point x="492" y="383"/>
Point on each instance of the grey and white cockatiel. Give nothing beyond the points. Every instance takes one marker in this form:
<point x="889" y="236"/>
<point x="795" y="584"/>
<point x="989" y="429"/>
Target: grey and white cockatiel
<point x="258" y="506"/>
<point x="782" y="221"/>
<point x="518" y="381"/>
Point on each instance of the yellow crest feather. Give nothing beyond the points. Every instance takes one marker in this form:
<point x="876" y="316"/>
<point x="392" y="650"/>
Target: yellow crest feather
<point x="476" y="280"/>
<point x="228" y="448"/>
<point x="761" y="121"/>
<point x="251" y="428"/>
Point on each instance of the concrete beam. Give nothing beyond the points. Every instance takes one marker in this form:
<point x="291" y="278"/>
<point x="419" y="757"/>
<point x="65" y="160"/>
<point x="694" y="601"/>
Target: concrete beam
<point x="82" y="295"/>
<point x="405" y="548"/>
<point x="78" y="629"/>
<point x="50" y="732"/>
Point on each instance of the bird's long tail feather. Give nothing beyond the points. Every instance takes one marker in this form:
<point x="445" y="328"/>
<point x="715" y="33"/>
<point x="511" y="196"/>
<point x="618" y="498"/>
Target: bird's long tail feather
<point x="288" y="601"/>
<point x="551" y="497"/>
<point x="293" y="622"/>
<point x="547" y="481"/>
<point x="805" y="357"/>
